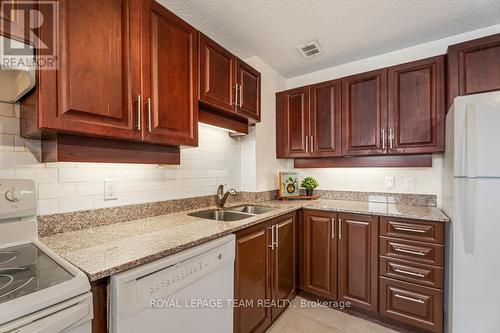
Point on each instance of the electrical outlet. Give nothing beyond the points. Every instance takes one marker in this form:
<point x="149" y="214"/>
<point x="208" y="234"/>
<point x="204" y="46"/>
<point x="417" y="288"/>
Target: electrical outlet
<point x="389" y="183"/>
<point x="110" y="190"/>
<point x="409" y="183"/>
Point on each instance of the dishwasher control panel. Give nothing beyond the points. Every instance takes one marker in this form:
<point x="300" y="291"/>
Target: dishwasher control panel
<point x="179" y="273"/>
<point x="139" y="288"/>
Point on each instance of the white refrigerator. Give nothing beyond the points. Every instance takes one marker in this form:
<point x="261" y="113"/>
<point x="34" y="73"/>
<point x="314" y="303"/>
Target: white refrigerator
<point x="471" y="198"/>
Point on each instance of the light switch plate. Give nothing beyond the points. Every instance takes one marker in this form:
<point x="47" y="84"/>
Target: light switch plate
<point x="389" y="183"/>
<point x="110" y="189"/>
<point x="409" y="183"/>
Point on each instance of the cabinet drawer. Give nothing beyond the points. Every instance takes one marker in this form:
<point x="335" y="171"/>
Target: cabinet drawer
<point x="430" y="276"/>
<point x="409" y="229"/>
<point x="412" y="304"/>
<point x="427" y="253"/>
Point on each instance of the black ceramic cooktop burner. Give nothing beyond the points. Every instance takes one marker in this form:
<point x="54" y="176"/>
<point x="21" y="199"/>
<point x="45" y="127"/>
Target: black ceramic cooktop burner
<point x="7" y="256"/>
<point x="25" y="269"/>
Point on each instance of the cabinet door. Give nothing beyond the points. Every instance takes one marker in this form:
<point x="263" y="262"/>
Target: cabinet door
<point x="249" y="91"/>
<point x="93" y="91"/>
<point x="417" y="107"/>
<point x="358" y="260"/>
<point x="320" y="253"/>
<point x="326" y="122"/>
<point x="217" y="75"/>
<point x="284" y="262"/>
<point x="170" y="77"/>
<point x="253" y="279"/>
<point x="364" y="113"/>
<point x="474" y="67"/>
<point x="292" y="123"/>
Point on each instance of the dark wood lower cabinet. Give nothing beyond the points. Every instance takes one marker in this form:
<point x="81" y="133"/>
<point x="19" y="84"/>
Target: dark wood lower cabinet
<point x="358" y="260"/>
<point x="265" y="273"/>
<point x="284" y="263"/>
<point x="320" y="253"/>
<point x="253" y="278"/>
<point x="412" y="304"/>
<point x="99" y="291"/>
<point x="412" y="272"/>
<point x="340" y="257"/>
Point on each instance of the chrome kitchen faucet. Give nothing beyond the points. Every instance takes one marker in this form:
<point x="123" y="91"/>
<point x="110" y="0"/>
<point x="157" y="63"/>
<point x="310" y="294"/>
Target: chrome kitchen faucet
<point x="222" y="197"/>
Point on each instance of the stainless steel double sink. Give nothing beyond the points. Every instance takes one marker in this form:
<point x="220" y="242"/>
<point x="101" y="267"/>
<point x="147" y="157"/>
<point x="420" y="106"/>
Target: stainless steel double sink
<point x="232" y="213"/>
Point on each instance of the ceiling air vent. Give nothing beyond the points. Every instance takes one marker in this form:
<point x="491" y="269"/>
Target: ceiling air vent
<point x="310" y="49"/>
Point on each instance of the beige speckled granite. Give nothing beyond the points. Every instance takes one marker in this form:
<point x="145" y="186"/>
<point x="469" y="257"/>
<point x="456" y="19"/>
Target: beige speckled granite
<point x="390" y="198"/>
<point x="57" y="223"/>
<point x="105" y="250"/>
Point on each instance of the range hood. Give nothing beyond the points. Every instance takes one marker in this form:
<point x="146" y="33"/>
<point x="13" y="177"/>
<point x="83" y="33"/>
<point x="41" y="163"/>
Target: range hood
<point x="17" y="73"/>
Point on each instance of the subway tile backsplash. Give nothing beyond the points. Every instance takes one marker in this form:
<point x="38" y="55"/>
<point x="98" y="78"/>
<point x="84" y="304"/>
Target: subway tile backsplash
<point x="68" y="187"/>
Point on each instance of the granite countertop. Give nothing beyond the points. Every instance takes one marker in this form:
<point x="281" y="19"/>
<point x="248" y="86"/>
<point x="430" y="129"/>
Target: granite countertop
<point x="106" y="250"/>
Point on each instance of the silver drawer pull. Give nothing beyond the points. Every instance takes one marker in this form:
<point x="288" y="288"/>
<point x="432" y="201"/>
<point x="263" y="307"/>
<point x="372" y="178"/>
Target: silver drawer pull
<point x="397" y="270"/>
<point x="416" y="300"/>
<point x="410" y="230"/>
<point x="333" y="228"/>
<point x="272" y="237"/>
<point x="417" y="253"/>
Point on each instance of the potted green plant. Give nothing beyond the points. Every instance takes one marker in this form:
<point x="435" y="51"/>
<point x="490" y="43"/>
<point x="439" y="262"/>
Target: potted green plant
<point x="309" y="183"/>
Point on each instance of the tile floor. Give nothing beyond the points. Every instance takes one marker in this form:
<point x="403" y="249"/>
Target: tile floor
<point x="298" y="319"/>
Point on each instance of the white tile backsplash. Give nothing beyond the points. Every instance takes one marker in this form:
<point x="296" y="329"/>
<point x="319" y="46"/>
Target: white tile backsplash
<point x="67" y="187"/>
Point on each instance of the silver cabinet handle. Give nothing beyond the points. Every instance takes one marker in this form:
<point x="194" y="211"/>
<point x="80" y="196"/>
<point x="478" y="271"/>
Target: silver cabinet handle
<point x="417" y="253"/>
<point x="410" y="230"/>
<point x="340" y="228"/>
<point x="272" y="237"/>
<point x="241" y="95"/>
<point x="312" y="144"/>
<point x="416" y="300"/>
<point x="236" y="96"/>
<point x="139" y="112"/>
<point x="276" y="233"/>
<point x="149" y="115"/>
<point x="333" y="228"/>
<point x="384" y="144"/>
<point x="391" y="138"/>
<point x="398" y="270"/>
<point x="307" y="143"/>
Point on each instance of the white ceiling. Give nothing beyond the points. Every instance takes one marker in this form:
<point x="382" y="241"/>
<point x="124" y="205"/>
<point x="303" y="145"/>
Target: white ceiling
<point x="347" y="30"/>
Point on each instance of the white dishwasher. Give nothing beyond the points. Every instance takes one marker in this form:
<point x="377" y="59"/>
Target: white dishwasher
<point x="191" y="291"/>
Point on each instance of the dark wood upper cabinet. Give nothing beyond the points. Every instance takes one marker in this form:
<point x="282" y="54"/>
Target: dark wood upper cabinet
<point x="358" y="260"/>
<point x="326" y="119"/>
<point x="417" y="107"/>
<point x="248" y="80"/>
<point x="319" y="246"/>
<point x="228" y="86"/>
<point x="170" y="90"/>
<point x="284" y="262"/>
<point x="217" y="75"/>
<point x="292" y="123"/>
<point x="94" y="89"/>
<point x="253" y="278"/>
<point x="364" y="113"/>
<point x="474" y="67"/>
<point x="121" y="77"/>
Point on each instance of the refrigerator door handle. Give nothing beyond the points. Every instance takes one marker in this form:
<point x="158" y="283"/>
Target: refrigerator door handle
<point x="470" y="216"/>
<point x="470" y="139"/>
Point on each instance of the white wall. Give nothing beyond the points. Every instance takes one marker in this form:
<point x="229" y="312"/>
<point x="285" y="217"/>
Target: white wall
<point x="264" y="134"/>
<point x="427" y="180"/>
<point x="65" y="187"/>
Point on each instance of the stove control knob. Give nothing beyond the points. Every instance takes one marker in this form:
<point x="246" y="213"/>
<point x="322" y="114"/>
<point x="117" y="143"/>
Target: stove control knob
<point x="14" y="195"/>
